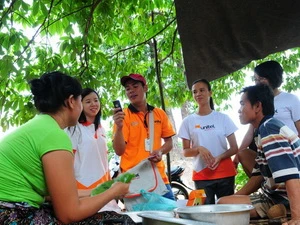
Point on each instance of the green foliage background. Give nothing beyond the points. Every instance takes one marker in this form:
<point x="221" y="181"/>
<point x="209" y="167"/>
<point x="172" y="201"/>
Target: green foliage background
<point x="98" y="41"/>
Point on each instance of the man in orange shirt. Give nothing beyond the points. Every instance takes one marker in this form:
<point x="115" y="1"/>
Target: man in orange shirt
<point x="131" y="130"/>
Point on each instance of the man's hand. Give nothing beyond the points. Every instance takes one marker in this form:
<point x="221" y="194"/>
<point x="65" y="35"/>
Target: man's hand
<point x="156" y="156"/>
<point x="118" y="118"/>
<point x="292" y="222"/>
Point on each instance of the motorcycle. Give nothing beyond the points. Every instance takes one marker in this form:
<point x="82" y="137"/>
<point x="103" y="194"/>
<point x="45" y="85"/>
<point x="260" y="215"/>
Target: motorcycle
<point x="114" y="166"/>
<point x="179" y="189"/>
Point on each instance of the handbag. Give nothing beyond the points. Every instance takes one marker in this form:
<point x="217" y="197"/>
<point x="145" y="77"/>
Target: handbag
<point x="147" y="177"/>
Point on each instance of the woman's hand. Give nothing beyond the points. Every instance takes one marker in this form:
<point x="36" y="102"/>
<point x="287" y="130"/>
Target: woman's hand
<point x="206" y="156"/>
<point x="215" y="164"/>
<point x="120" y="189"/>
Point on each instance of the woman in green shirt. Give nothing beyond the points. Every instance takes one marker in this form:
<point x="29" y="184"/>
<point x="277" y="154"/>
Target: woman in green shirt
<point x="36" y="161"/>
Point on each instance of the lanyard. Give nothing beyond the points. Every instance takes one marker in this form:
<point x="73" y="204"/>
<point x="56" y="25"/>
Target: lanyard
<point x="144" y="121"/>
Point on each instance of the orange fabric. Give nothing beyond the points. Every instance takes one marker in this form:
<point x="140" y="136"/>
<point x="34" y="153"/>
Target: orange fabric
<point x="135" y="132"/>
<point x="225" y="169"/>
<point x="103" y="179"/>
<point x="86" y="123"/>
<point x="196" y="197"/>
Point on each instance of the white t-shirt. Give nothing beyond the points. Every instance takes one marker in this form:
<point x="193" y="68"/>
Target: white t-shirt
<point x="90" y="157"/>
<point x="209" y="131"/>
<point x="287" y="109"/>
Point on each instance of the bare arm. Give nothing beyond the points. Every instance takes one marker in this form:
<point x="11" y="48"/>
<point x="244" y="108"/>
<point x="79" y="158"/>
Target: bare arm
<point x="297" y="125"/>
<point x="292" y="188"/>
<point x="119" y="143"/>
<point x="167" y="146"/>
<point x="84" y="193"/>
<point x="192" y="152"/>
<point x="247" y="138"/>
<point x="164" y="149"/>
<point x="245" y="142"/>
<point x="187" y="150"/>
<point x="251" y="186"/>
<point x="61" y="184"/>
<point x="233" y="148"/>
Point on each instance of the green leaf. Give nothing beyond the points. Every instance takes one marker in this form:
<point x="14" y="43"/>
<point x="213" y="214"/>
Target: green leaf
<point x="43" y="9"/>
<point x="35" y="8"/>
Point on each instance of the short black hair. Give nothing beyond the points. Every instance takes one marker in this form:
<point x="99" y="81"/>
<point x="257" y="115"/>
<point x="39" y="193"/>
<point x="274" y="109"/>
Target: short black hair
<point x="261" y="93"/>
<point x="52" y="89"/>
<point x="272" y="71"/>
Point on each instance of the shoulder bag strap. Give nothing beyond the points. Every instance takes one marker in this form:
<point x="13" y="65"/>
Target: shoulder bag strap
<point x="151" y="130"/>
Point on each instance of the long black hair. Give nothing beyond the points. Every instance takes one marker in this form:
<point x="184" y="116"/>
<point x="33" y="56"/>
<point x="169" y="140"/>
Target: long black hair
<point x="82" y="117"/>
<point x="211" y="102"/>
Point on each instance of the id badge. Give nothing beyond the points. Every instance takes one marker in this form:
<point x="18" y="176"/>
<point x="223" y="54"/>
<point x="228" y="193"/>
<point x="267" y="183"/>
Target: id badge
<point x="147" y="144"/>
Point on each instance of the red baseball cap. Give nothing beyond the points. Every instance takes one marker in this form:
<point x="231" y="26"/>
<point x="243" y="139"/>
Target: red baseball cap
<point x="133" y="76"/>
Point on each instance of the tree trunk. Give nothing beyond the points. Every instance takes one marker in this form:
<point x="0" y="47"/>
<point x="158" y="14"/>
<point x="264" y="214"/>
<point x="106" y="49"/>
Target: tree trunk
<point x="186" y="109"/>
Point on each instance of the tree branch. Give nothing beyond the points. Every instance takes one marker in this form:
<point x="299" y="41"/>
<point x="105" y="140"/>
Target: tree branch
<point x="90" y="19"/>
<point x="68" y="14"/>
<point x="37" y="31"/>
<point x="172" y="49"/>
<point x="116" y="64"/>
<point x="144" y="42"/>
<point x="85" y="35"/>
<point x="9" y="9"/>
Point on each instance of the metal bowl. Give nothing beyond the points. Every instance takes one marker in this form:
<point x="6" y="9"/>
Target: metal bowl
<point x="223" y="214"/>
<point x="167" y="218"/>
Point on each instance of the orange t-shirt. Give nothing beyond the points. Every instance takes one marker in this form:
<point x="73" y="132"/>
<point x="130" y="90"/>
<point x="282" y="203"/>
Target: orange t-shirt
<point x="136" y="131"/>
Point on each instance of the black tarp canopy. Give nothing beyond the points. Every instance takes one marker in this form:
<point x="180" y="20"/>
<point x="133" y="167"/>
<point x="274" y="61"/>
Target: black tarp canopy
<point x="221" y="36"/>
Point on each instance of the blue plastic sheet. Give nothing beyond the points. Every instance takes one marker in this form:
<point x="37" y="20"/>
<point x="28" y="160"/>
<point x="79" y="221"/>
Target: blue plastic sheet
<point x="154" y="202"/>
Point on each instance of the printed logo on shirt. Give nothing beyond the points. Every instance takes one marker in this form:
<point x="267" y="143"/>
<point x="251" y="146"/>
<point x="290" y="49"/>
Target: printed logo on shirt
<point x="282" y="110"/>
<point x="208" y="127"/>
<point x="157" y="121"/>
<point x="197" y="126"/>
<point x="134" y="123"/>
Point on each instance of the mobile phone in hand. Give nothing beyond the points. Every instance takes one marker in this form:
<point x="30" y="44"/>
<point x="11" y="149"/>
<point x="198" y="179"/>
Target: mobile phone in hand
<point x="117" y="104"/>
